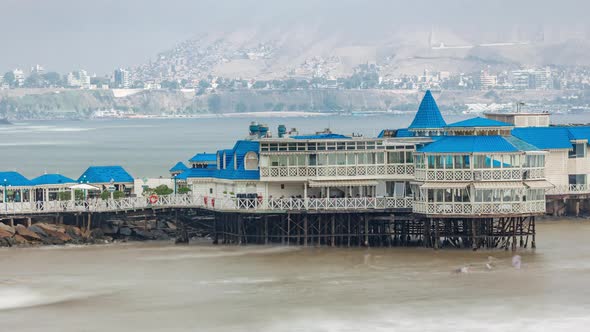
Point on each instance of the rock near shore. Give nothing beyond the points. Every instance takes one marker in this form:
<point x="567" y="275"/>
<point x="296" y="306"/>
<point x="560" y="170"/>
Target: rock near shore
<point x="51" y="234"/>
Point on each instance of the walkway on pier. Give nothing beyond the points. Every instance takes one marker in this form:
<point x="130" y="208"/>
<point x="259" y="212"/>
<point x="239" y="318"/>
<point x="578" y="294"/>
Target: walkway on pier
<point x="209" y="203"/>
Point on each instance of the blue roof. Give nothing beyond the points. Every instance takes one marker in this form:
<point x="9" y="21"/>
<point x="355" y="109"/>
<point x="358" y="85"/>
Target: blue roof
<point x="234" y="168"/>
<point x="51" y="179"/>
<point x="546" y="137"/>
<point x="104" y="174"/>
<point x="428" y="115"/>
<point x="321" y="136"/>
<point x="479" y="122"/>
<point x="179" y="167"/>
<point x="204" y="157"/>
<point x="578" y="133"/>
<point x="402" y="132"/>
<point x="467" y="144"/>
<point x="14" y="179"/>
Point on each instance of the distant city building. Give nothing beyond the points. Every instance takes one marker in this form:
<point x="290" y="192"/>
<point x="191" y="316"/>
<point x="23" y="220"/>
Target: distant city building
<point x="19" y="77"/>
<point x="122" y="79"/>
<point x="486" y="80"/>
<point x="37" y="69"/>
<point x="539" y="79"/>
<point x="78" y="79"/>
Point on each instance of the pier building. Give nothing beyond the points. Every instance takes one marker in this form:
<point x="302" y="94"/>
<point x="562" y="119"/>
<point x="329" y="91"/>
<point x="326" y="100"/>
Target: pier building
<point x="479" y="182"/>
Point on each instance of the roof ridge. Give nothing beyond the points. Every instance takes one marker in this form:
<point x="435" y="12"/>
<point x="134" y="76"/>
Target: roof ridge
<point x="428" y="114"/>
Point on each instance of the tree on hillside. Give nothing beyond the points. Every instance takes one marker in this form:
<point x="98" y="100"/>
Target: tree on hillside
<point x="9" y="79"/>
<point x="214" y="103"/>
<point x="241" y="107"/>
<point x="52" y="79"/>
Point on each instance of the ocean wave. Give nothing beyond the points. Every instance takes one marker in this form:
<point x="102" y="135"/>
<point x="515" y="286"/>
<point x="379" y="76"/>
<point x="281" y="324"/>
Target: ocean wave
<point x="44" y="143"/>
<point x="236" y="253"/>
<point x="238" y="281"/>
<point x="16" y="297"/>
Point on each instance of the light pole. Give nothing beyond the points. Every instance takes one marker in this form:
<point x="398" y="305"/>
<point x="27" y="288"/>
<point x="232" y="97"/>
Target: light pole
<point x="5" y="203"/>
<point x="174" y="176"/>
<point x="84" y="181"/>
<point x="112" y="188"/>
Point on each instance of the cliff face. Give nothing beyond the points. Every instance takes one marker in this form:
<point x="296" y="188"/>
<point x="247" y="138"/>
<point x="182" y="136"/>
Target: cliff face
<point x="46" y="104"/>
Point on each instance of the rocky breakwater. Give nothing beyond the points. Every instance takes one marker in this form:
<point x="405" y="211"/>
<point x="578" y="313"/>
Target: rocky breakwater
<point x="43" y="234"/>
<point x="106" y="231"/>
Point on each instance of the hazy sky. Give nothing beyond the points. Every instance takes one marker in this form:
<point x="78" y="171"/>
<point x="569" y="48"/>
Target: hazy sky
<point x="99" y="35"/>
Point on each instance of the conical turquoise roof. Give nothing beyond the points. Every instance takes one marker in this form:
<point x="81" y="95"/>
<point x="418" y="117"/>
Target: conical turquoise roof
<point x="428" y="115"/>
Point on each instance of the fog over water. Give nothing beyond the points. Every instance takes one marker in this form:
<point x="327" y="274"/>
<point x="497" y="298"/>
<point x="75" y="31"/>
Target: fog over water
<point x="148" y="148"/>
<point x="162" y="287"/>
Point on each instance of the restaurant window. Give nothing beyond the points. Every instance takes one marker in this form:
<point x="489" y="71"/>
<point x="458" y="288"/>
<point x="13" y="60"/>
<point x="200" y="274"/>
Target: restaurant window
<point x="577" y="179"/>
<point x="578" y="151"/>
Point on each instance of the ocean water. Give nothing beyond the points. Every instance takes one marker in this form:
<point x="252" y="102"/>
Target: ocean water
<point x="149" y="147"/>
<point x="162" y="287"/>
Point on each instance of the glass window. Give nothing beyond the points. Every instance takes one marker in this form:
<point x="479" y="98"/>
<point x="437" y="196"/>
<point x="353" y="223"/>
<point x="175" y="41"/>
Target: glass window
<point x="331" y="146"/>
<point x="577" y="179"/>
<point x="332" y="159"/>
<point x="380" y="157"/>
<point x="438" y="162"/>
<point x="341" y="145"/>
<point x="409" y="157"/>
<point x="311" y="146"/>
<point x="292" y="160"/>
<point x="292" y="146"/>
<point x="340" y="159"/>
<point x="321" y="146"/>
<point x="312" y="159"/>
<point x="274" y="147"/>
<point x="282" y="160"/>
<point x="370" y="158"/>
<point x="578" y="151"/>
<point x="350" y="159"/>
<point x="370" y="145"/>
<point x="449" y="162"/>
<point x="361" y="158"/>
<point x="301" y="160"/>
<point x="459" y="162"/>
<point x="419" y="161"/>
<point x="439" y="195"/>
<point x="300" y="146"/>
<point x="394" y="157"/>
<point x="322" y="159"/>
<point x="431" y="161"/>
<point x="350" y="145"/>
<point x="274" y="160"/>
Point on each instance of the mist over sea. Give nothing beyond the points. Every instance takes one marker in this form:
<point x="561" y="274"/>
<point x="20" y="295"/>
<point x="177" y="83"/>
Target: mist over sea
<point x="162" y="287"/>
<point x="149" y="147"/>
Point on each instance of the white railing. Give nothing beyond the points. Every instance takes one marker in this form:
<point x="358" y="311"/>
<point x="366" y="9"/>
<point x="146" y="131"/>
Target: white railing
<point x="334" y="170"/>
<point x="479" y="208"/>
<point x="569" y="189"/>
<point x="206" y="202"/>
<point x="479" y="174"/>
<point x="294" y="204"/>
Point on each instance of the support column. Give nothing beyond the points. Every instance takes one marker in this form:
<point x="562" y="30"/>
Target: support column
<point x="305" y="230"/>
<point x="332" y="241"/>
<point x="88" y="225"/>
<point x="366" y="231"/>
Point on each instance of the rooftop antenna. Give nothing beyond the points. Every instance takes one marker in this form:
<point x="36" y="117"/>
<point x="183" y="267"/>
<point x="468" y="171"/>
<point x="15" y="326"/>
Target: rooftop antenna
<point x="519" y="106"/>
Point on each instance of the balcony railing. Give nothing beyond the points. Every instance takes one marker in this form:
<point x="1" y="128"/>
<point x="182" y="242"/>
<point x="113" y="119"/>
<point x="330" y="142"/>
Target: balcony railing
<point x="336" y="171"/>
<point x="206" y="202"/>
<point x="570" y="189"/>
<point x="479" y="208"/>
<point x="479" y="174"/>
